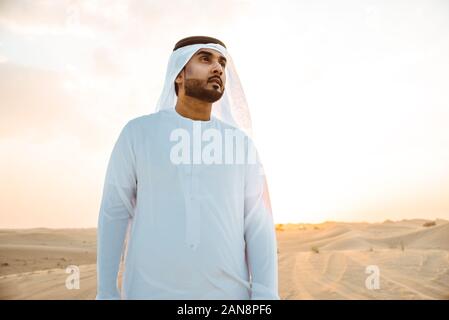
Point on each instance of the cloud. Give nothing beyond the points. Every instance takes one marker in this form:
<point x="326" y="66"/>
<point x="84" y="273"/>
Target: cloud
<point x="155" y="18"/>
<point x="36" y="107"/>
<point x="47" y="17"/>
<point x="31" y="98"/>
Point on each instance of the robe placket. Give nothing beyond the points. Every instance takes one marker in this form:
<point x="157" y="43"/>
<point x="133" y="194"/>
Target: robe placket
<point x="193" y="209"/>
<point x="189" y="176"/>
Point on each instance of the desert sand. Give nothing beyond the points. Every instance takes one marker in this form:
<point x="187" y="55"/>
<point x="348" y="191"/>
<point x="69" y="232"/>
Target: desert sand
<point x="316" y="261"/>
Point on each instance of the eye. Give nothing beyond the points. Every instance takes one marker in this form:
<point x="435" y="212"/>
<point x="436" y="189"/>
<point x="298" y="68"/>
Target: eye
<point x="205" y="58"/>
<point x="223" y="64"/>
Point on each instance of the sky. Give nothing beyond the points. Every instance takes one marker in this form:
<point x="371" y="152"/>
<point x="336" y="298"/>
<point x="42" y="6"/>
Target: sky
<point x="349" y="101"/>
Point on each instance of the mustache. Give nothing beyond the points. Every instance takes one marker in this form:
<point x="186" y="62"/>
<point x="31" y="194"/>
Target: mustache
<point x="216" y="77"/>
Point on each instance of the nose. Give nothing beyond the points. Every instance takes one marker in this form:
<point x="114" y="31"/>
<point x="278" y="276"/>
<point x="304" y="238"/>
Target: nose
<point x="217" y="69"/>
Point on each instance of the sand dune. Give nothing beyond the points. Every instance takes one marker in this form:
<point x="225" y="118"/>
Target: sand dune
<point x="33" y="263"/>
<point x="42" y="249"/>
<point x="321" y="261"/>
<point x="329" y="262"/>
<point x="436" y="237"/>
<point x="48" y="284"/>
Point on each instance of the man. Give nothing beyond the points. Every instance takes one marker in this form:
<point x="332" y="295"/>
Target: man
<point x="195" y="218"/>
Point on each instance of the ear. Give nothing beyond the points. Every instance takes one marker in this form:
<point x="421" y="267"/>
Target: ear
<point x="180" y="77"/>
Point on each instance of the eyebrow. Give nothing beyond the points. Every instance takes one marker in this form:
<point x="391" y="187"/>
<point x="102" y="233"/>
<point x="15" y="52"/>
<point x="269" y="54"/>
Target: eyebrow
<point x="207" y="53"/>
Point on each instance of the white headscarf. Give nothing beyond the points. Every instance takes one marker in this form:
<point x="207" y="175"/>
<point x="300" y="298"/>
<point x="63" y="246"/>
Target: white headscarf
<point x="231" y="108"/>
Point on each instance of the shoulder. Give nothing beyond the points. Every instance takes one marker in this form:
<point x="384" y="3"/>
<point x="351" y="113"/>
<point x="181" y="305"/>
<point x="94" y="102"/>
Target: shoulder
<point x="144" y="124"/>
<point x="144" y="121"/>
<point x="224" y="126"/>
<point x="238" y="139"/>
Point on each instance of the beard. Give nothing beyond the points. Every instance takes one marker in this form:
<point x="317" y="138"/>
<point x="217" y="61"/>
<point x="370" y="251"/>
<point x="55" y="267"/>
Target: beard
<point x="198" y="89"/>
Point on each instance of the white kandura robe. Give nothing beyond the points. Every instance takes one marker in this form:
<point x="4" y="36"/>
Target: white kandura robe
<point x="196" y="231"/>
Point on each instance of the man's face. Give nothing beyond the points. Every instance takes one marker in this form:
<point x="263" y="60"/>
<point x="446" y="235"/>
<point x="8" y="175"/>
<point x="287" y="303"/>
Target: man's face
<point x="204" y="75"/>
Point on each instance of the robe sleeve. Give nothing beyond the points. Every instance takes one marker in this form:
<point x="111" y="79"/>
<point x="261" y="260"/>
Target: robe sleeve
<point x="260" y="236"/>
<point x="116" y="210"/>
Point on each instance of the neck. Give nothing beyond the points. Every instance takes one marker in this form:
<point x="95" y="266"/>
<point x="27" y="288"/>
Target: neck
<point x="193" y="108"/>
